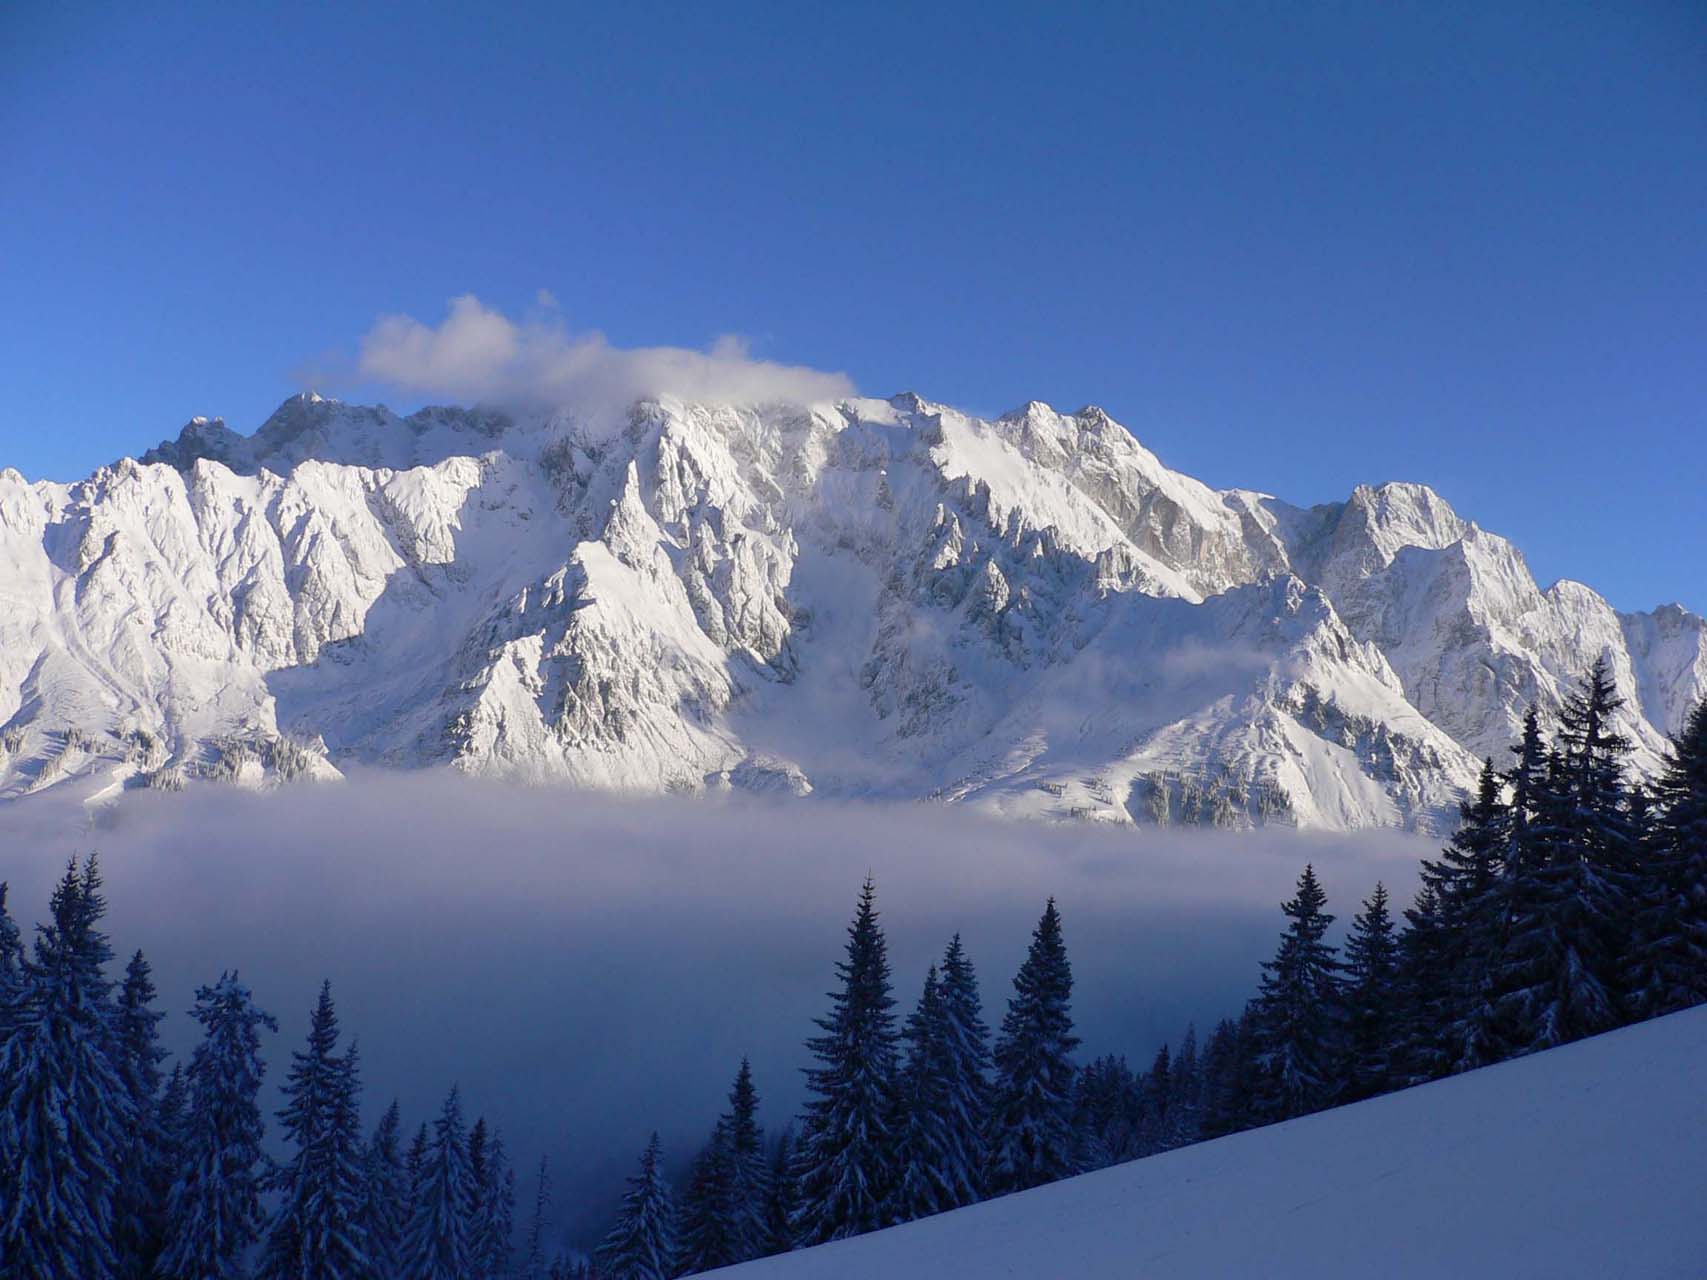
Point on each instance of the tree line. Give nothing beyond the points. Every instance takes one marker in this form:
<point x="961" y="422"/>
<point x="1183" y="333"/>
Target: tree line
<point x="110" y="1167"/>
<point x="1569" y="901"/>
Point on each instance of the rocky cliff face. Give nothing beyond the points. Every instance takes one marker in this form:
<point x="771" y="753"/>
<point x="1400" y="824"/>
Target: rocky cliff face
<point x="1032" y="616"/>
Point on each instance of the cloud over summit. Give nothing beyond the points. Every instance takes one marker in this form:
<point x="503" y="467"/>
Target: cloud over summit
<point x="476" y="353"/>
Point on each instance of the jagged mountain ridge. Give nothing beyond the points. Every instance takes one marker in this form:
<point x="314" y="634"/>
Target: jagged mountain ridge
<point x="1030" y="615"/>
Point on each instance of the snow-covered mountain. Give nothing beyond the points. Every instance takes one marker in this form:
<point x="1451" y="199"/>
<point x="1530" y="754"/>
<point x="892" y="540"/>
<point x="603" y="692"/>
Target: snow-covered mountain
<point x="1583" y="1161"/>
<point x="1030" y="615"/>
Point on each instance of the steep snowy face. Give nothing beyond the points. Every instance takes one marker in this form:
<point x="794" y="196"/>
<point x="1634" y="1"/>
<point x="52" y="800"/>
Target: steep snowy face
<point x="1472" y="637"/>
<point x="1030" y="615"/>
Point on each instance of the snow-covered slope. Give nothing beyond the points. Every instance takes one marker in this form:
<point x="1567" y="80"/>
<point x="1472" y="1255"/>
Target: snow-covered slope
<point x="1584" y="1161"/>
<point x="1030" y="615"/>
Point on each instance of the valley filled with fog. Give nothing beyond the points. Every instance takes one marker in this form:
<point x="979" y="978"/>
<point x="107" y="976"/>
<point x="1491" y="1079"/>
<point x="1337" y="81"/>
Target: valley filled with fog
<point x="589" y="968"/>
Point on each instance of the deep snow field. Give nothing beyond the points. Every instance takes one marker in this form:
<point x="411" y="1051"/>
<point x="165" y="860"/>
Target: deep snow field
<point x="1586" y="1161"/>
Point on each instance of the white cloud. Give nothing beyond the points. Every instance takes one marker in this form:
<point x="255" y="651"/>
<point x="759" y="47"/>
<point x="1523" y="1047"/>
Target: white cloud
<point x="478" y="354"/>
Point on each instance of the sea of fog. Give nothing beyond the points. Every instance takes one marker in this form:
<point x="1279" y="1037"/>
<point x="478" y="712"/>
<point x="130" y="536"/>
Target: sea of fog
<point x="589" y="968"/>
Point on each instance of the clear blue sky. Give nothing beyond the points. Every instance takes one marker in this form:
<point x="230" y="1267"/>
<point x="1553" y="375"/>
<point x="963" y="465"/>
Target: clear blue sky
<point x="1294" y="246"/>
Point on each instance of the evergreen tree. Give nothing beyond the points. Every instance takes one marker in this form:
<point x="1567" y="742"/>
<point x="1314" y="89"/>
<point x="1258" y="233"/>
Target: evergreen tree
<point x="1473" y="897"/>
<point x="1668" y="969"/>
<point x="784" y="1202"/>
<point x="436" y="1243"/>
<point x="750" y="1174"/>
<point x="642" y="1244"/>
<point x="318" y="1228"/>
<point x="1154" y="1097"/>
<point x="1426" y="951"/>
<point x="706" y="1232"/>
<point x="492" y="1200"/>
<point x="11" y="964"/>
<point x="415" y="1167"/>
<point x="214" y="1208"/>
<point x="385" y="1196"/>
<point x="1108" y="1110"/>
<point x="724" y="1215"/>
<point x="1249" y="1070"/>
<point x="139" y="1229"/>
<point x="1298" y="1011"/>
<point x="1570" y="890"/>
<point x="966" y="1075"/>
<point x="1183" y="1124"/>
<point x="1031" y="1140"/>
<point x="66" y="1109"/>
<point x="922" y="1186"/>
<point x="1221" y="1100"/>
<point x="533" y="1263"/>
<point x="172" y="1117"/>
<point x="846" y="1155"/>
<point x="1371" y="998"/>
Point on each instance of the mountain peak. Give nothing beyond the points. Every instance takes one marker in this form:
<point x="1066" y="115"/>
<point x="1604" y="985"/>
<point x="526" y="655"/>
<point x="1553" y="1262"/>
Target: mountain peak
<point x="1031" y="409"/>
<point x="200" y="437"/>
<point x="1033" y="616"/>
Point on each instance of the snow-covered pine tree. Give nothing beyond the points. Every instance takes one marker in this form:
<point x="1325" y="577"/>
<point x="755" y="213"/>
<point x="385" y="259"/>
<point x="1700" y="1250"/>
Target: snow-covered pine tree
<point x="317" y="1229"/>
<point x="534" y="1265"/>
<point x="1371" y="998"/>
<point x="724" y="1213"/>
<point x="492" y="1188"/>
<point x="642" y="1243"/>
<point x="784" y="1201"/>
<point x="966" y="1074"/>
<point x="213" y="1212"/>
<point x="478" y="1138"/>
<point x="1426" y="952"/>
<point x="1570" y="892"/>
<point x="173" y="1115"/>
<point x="1668" y="969"/>
<point x="750" y="1173"/>
<point x="1298" y="1014"/>
<point x="922" y="1146"/>
<point x="385" y="1196"/>
<point x="11" y="985"/>
<point x="140" y="1223"/>
<point x="1249" y="1070"/>
<point x="1154" y="1096"/>
<point x="11" y="961"/>
<point x="845" y="1159"/>
<point x="1108" y="1108"/>
<point x="415" y="1166"/>
<point x="66" y="1110"/>
<point x="1031" y="1138"/>
<point x="436" y="1242"/>
<point x="705" y="1231"/>
<point x="1472" y="893"/>
<point x="170" y="1117"/>
<point x="1220" y="1095"/>
<point x="1185" y="1086"/>
<point x="494" y="1234"/>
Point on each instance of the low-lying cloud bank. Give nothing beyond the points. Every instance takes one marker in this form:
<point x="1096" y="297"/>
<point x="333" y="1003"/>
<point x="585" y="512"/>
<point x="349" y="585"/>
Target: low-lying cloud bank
<point x="477" y="354"/>
<point x="589" y="968"/>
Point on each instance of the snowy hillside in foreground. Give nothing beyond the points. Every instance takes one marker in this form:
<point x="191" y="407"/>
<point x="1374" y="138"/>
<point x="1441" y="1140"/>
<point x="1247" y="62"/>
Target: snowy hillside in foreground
<point x="1582" y="1161"/>
<point x="1030" y="615"/>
